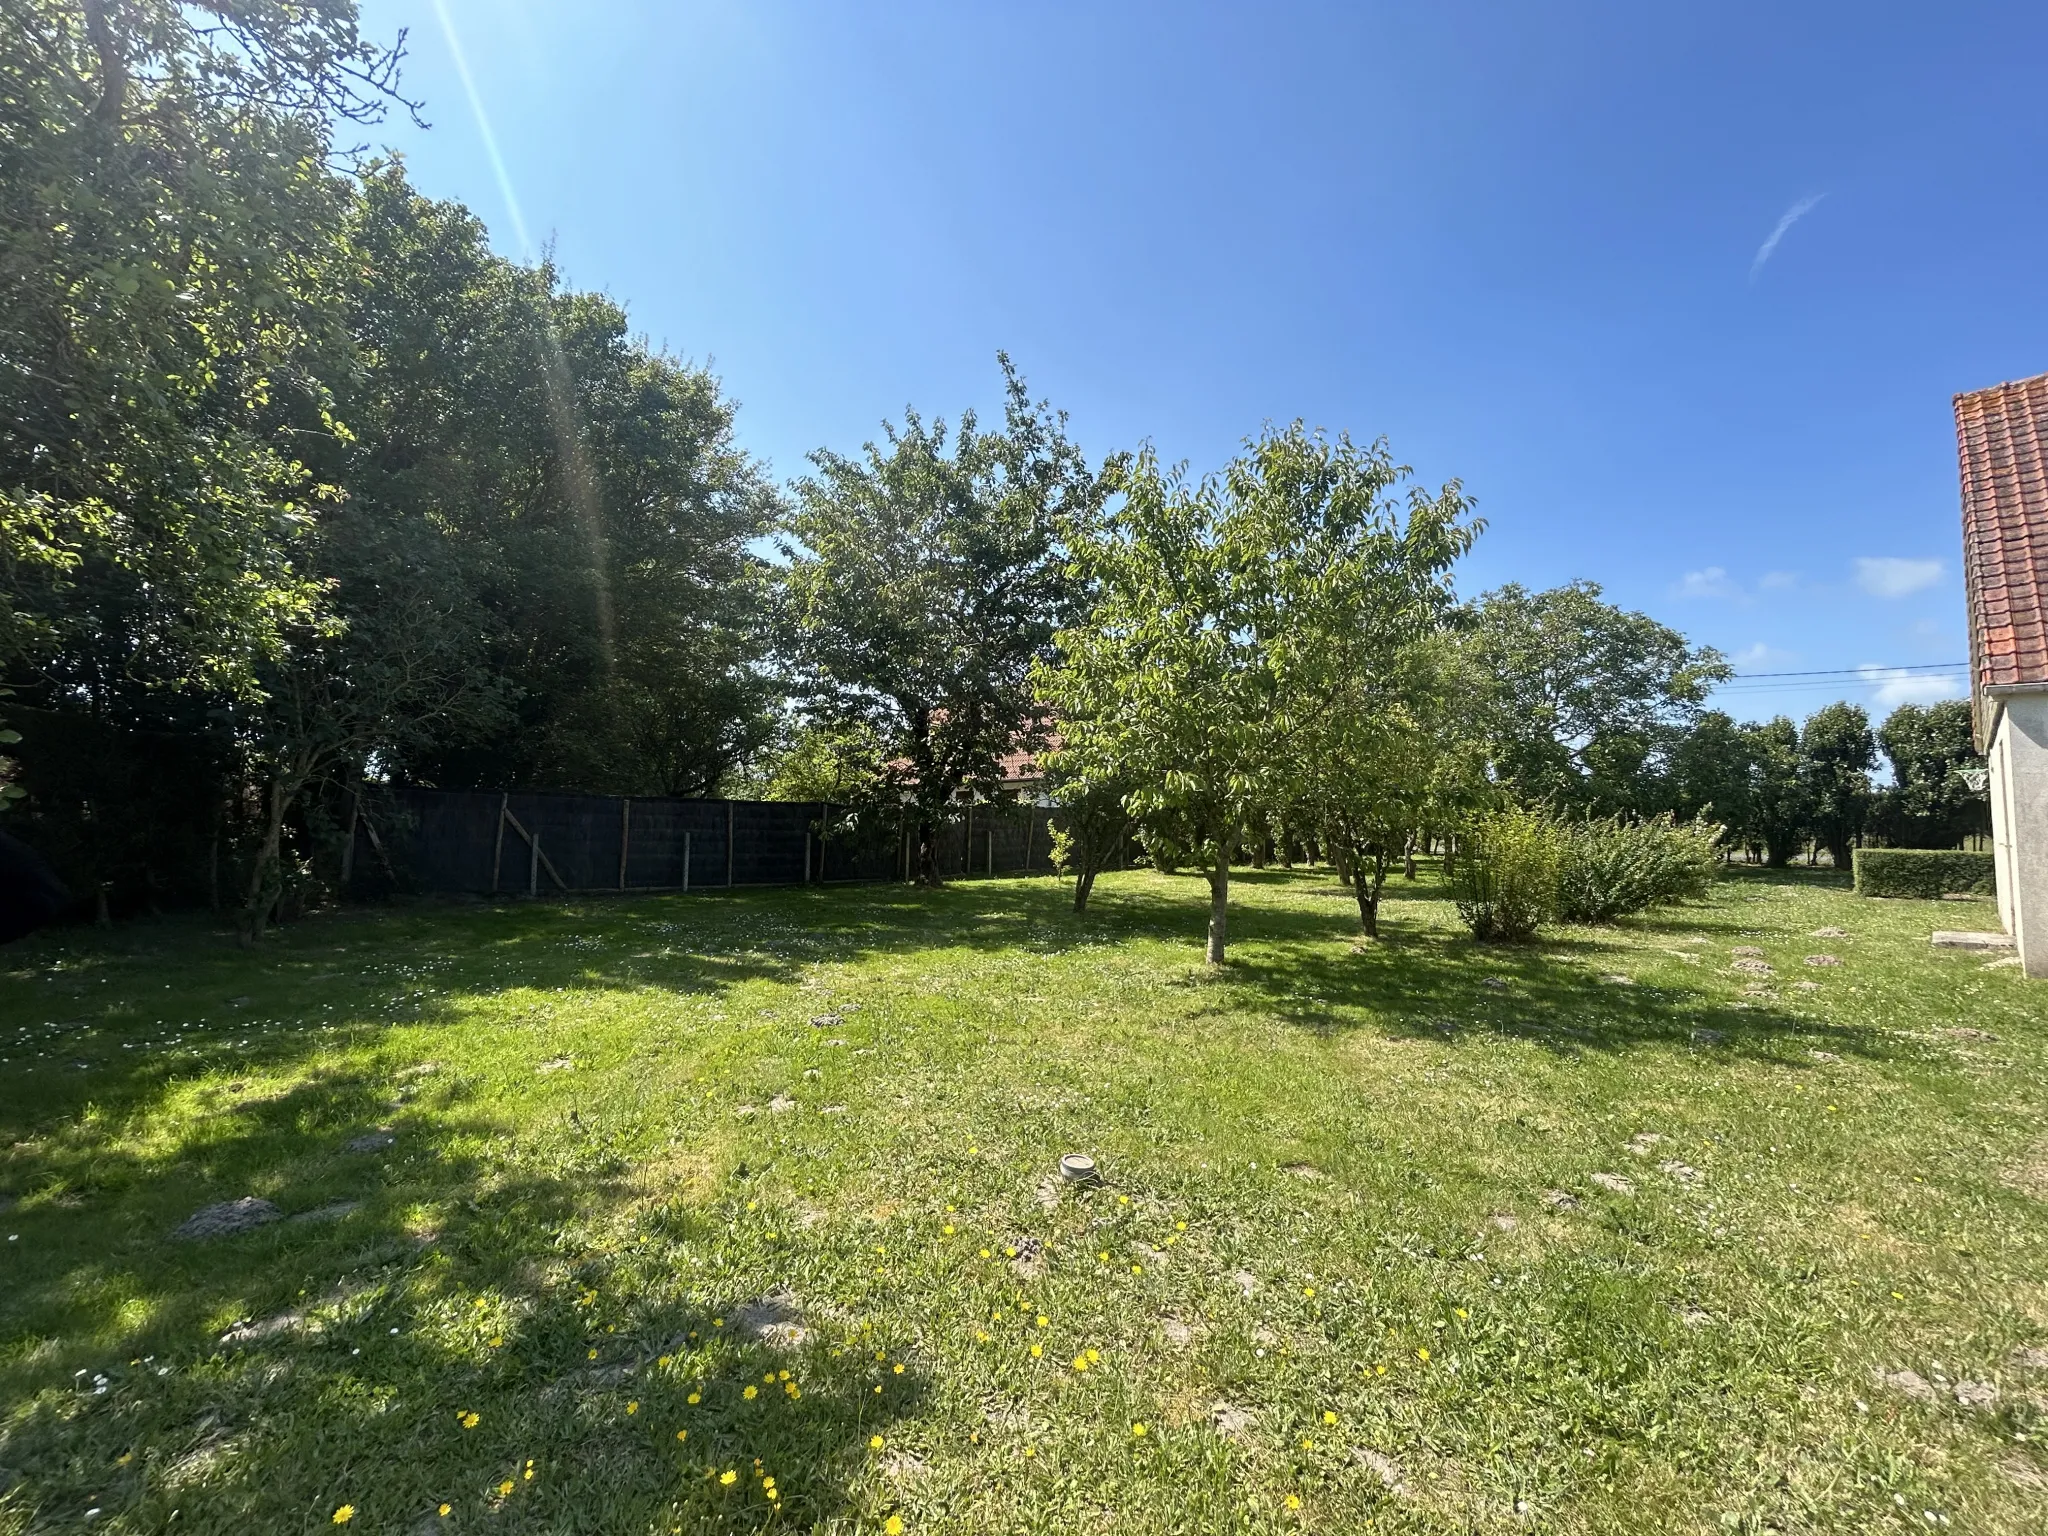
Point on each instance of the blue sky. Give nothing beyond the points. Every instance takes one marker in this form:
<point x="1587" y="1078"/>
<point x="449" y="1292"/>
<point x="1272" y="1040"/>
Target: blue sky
<point x="1681" y="293"/>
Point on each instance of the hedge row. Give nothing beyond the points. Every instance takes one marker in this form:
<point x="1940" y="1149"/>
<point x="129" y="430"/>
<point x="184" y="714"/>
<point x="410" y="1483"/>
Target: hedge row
<point x="1929" y="873"/>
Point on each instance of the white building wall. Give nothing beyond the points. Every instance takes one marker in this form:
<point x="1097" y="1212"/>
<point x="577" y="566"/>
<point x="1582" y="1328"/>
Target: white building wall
<point x="2019" y="812"/>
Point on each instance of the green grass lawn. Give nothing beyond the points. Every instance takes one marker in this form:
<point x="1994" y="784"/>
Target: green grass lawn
<point x="688" y="1193"/>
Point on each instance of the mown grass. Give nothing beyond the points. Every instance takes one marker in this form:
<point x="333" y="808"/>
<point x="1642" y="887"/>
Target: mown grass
<point x="1349" y="1268"/>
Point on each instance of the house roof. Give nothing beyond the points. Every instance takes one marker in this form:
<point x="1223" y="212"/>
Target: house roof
<point x="2002" y="440"/>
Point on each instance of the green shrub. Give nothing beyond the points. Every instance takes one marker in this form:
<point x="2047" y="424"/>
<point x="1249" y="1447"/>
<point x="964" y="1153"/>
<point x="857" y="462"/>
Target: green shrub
<point x="1930" y="873"/>
<point x="1506" y="883"/>
<point x="1611" y="868"/>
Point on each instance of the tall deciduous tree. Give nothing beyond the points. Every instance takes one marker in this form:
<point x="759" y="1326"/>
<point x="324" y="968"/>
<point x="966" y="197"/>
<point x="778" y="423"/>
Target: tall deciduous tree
<point x="1781" y="805"/>
<point x="1928" y="804"/>
<point x="924" y="578"/>
<point x="1712" y="774"/>
<point x="1239" y="628"/>
<point x="1588" y="698"/>
<point x="1836" y="754"/>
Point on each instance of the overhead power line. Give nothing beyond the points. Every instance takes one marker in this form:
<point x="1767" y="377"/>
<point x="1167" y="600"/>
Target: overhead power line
<point x="1870" y="672"/>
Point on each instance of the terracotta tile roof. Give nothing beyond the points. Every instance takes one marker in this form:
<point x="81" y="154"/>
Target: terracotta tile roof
<point x="2002" y="439"/>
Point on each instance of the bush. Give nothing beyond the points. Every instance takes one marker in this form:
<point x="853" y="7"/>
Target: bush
<point x="1930" y="873"/>
<point x="1611" y="868"/>
<point x="1506" y="883"/>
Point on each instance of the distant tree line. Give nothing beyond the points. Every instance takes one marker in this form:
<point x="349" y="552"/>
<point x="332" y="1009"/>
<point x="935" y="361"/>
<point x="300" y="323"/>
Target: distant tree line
<point x="305" y="493"/>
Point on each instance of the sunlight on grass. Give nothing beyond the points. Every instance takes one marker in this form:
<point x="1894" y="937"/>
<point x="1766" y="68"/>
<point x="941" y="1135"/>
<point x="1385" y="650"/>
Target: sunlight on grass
<point x="738" y="1212"/>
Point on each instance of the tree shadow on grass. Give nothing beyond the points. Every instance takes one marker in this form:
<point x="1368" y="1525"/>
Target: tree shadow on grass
<point x="1571" y="993"/>
<point x="262" y="1380"/>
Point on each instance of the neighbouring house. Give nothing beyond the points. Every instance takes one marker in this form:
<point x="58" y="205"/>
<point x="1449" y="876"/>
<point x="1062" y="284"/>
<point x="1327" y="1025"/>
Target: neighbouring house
<point x="2002" y="439"/>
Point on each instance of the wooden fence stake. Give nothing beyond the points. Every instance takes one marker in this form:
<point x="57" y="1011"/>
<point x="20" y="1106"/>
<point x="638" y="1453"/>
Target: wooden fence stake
<point x="498" y="849"/>
<point x="533" y="862"/>
<point x="625" y="836"/>
<point x="348" y="849"/>
<point x="728" y="842"/>
<point x="686" y="861"/>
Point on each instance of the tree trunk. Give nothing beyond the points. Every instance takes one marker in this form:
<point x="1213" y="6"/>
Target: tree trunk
<point x="927" y="853"/>
<point x="1368" y="891"/>
<point x="256" y="905"/>
<point x="1084" y="882"/>
<point x="1219" y="908"/>
<point x="1408" y="870"/>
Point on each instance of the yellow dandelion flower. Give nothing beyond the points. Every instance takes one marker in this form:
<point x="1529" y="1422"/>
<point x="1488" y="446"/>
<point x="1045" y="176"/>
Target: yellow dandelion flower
<point x="974" y="1149"/>
<point x="469" y="1421"/>
<point x="718" y="1322"/>
<point x="782" y="1375"/>
<point x="751" y="1393"/>
<point x="1037" y="1350"/>
<point x="767" y="1482"/>
<point x="1095" y="1357"/>
<point x="727" y="1478"/>
<point x="1308" y="1290"/>
<point x="694" y="1398"/>
<point x="1463" y="1313"/>
<point x="632" y="1407"/>
<point x="984" y="1253"/>
<point x="769" y="1379"/>
<point x="445" y="1510"/>
<point x="682" y="1434"/>
<point x="878" y="1389"/>
<point x="1137" y="1269"/>
<point x="1381" y="1371"/>
<point x="893" y="1525"/>
<point x="1294" y="1501"/>
<point x="981" y="1335"/>
<point x="1030" y="1450"/>
<point x="1123" y="1199"/>
<point x="898" y="1369"/>
<point x="528" y="1474"/>
<point x="1080" y="1362"/>
<point x="1102" y="1258"/>
<point x="343" y="1515"/>
<point x="497" y="1341"/>
<point x="1042" y="1321"/>
<point x="1180" y="1226"/>
<point x="1329" y="1417"/>
<point x="481" y="1303"/>
<point x="1010" y="1253"/>
<point x="591" y="1356"/>
<point x="948" y="1231"/>
<point x="1307" y="1444"/>
<point x="505" y="1487"/>
<point x="663" y="1362"/>
<point x="1138" y="1430"/>
<point x="875" y="1443"/>
<point x="1422" y="1355"/>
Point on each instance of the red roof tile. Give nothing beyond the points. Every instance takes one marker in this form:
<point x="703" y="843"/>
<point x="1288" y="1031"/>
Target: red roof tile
<point x="2002" y="439"/>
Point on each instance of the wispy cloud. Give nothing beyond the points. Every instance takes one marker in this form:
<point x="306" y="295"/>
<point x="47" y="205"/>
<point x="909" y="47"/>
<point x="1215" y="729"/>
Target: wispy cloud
<point x="1751" y="657"/>
<point x="1890" y="576"/>
<point x="1711" y="582"/>
<point x="1792" y="215"/>
<point x="1778" y="581"/>
<point x="1893" y="688"/>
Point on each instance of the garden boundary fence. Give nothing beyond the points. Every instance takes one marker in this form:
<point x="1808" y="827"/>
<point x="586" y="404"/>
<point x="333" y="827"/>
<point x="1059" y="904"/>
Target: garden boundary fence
<point x="484" y="842"/>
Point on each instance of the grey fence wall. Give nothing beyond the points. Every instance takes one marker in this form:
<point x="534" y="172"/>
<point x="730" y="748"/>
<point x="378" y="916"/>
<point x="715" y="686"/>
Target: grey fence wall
<point x="479" y="842"/>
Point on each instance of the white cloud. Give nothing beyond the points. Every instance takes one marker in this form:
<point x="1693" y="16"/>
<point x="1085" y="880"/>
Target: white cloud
<point x="1749" y="658"/>
<point x="1893" y="688"/>
<point x="1888" y="576"/>
<point x="1778" y="581"/>
<point x="1711" y="582"/>
<point x="1792" y="215"/>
